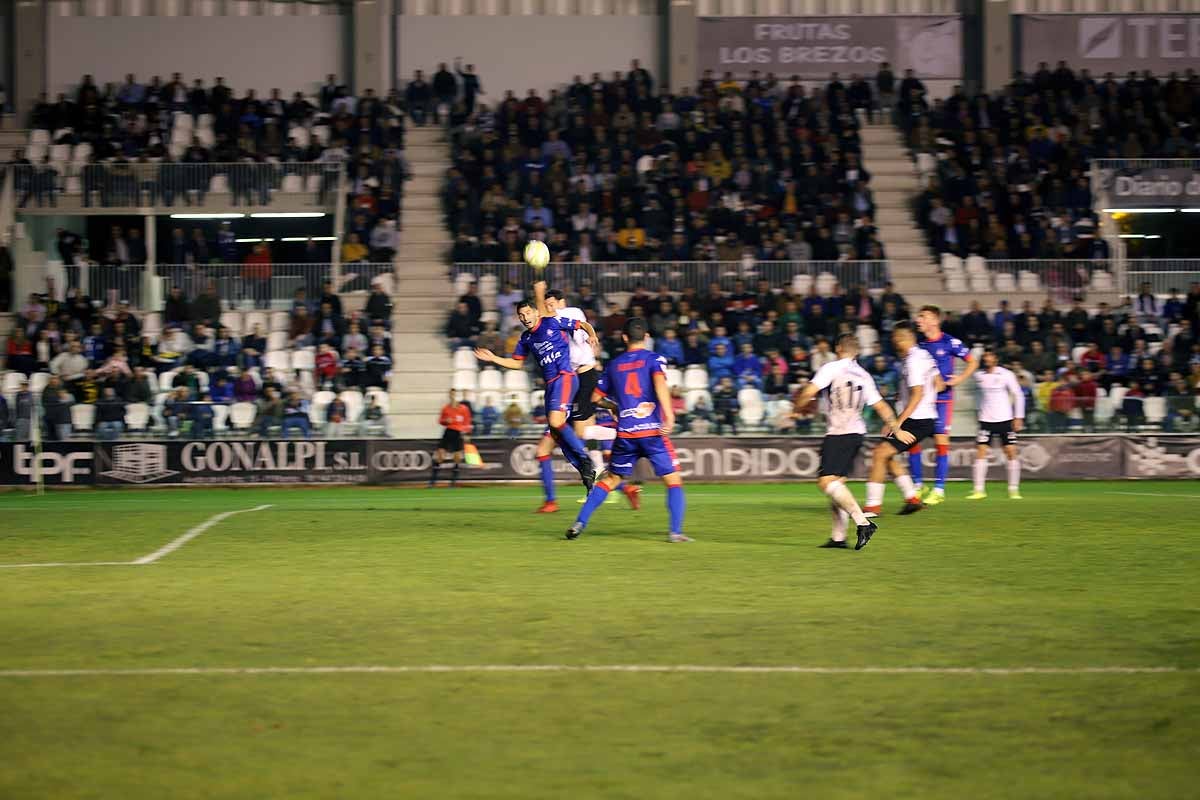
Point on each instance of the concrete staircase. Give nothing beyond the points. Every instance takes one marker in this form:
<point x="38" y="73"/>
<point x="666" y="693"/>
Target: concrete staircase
<point x="422" y="366"/>
<point x="894" y="184"/>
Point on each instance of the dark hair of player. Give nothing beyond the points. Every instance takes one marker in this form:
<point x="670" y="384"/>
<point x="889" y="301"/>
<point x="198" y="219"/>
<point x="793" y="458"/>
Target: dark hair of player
<point x="904" y="326"/>
<point x="932" y="309"/>
<point x="555" y="294"/>
<point x="846" y="340"/>
<point x="523" y="302"/>
<point x="635" y="329"/>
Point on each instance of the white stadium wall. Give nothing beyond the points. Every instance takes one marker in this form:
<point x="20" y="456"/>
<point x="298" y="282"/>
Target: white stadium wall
<point x="260" y="53"/>
<point x="526" y="52"/>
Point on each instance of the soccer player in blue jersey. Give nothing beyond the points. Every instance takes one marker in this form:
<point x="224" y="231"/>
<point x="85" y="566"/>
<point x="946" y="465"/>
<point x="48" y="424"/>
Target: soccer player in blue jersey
<point x="944" y="349"/>
<point x="644" y="421"/>
<point x="548" y="339"/>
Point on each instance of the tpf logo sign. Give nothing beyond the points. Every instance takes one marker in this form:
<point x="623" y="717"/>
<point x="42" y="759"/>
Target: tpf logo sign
<point x="1100" y="37"/>
<point x="52" y="466"/>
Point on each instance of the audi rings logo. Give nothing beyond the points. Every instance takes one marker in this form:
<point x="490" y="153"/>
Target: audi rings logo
<point x="523" y="460"/>
<point x="1034" y="457"/>
<point x="402" y="461"/>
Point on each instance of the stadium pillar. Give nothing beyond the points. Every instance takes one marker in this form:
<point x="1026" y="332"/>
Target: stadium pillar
<point x="372" y="38"/>
<point x="29" y="58"/>
<point x="681" y="44"/>
<point x="997" y="36"/>
<point x="151" y="286"/>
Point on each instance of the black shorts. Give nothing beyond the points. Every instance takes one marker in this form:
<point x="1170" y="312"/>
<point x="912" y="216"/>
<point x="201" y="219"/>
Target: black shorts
<point x="991" y="431"/>
<point x="838" y="454"/>
<point x="582" y="407"/>
<point x="921" y="429"/>
<point x="452" y="441"/>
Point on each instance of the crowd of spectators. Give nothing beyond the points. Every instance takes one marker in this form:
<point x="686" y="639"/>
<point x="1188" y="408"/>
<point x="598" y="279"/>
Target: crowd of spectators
<point x="163" y="142"/>
<point x="1011" y="176"/>
<point x="622" y="170"/>
<point x="105" y="357"/>
<point x="772" y="340"/>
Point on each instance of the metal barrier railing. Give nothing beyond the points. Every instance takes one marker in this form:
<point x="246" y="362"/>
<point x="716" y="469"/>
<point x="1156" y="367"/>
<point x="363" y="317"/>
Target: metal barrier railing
<point x="625" y="276"/>
<point x="168" y="184"/>
<point x="1163" y="274"/>
<point x="238" y="285"/>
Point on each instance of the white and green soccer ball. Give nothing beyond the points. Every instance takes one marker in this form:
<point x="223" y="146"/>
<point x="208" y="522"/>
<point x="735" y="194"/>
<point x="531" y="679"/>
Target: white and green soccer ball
<point x="537" y="255"/>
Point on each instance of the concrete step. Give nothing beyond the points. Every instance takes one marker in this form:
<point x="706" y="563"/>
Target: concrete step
<point x="881" y="168"/>
<point x="904" y="182"/>
<point x="908" y="285"/>
<point x="413" y="251"/>
<point x="422" y="202"/>
<point x="423" y="134"/>
<point x="426" y="151"/>
<point x="423" y="184"/>
<point x="410" y="286"/>
<point x="876" y="134"/>
<point x="412" y="426"/>
<point x="428" y="169"/>
<point x="421" y="217"/>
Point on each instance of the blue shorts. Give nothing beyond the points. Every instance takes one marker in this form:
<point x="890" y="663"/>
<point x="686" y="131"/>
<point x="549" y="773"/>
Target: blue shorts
<point x="945" y="415"/>
<point x="657" y="449"/>
<point x="560" y="392"/>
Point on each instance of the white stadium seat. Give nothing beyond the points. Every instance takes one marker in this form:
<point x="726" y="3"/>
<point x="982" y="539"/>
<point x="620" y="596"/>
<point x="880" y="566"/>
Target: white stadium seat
<point x="316" y="407"/>
<point x="304" y="359"/>
<point x="490" y="380"/>
<point x="465" y="359"/>
<point x="354" y="404"/>
<point x="241" y="415"/>
<point x="279" y="321"/>
<point x="220" y="418"/>
<point x="693" y="396"/>
<point x="277" y="360"/>
<point x="277" y="340"/>
<point x="466" y="379"/>
<point x="695" y="377"/>
<point x="38" y="381"/>
<point x="674" y="378"/>
<point x="137" y="416"/>
<point x="83" y="416"/>
<point x="252" y="318"/>
<point x="233" y="321"/>
<point x="516" y="380"/>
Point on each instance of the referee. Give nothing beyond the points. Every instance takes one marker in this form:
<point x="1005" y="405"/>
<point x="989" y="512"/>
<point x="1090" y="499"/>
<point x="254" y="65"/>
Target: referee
<point x="456" y="419"/>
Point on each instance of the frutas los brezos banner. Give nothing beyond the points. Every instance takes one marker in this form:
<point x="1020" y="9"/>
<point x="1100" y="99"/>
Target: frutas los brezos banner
<point x="814" y="47"/>
<point x="1161" y="43"/>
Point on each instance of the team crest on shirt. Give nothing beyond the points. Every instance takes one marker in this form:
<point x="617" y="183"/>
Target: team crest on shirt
<point x="640" y="411"/>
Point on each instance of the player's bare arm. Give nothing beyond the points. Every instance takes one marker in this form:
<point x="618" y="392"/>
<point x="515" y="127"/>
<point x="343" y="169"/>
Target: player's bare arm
<point x="593" y="340"/>
<point x="890" y="422"/>
<point x="955" y="380"/>
<point x="539" y="298"/>
<point x="663" y="394"/>
<point x="484" y="354"/>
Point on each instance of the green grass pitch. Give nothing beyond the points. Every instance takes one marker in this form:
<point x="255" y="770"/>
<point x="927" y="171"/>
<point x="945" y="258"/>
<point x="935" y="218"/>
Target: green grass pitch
<point x="1076" y="576"/>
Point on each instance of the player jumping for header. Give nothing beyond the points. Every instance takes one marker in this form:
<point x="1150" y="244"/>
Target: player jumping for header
<point x="582" y="354"/>
<point x="944" y="349"/>
<point x="547" y="338"/>
<point x="846" y="387"/>
<point x="1001" y="416"/>
<point x="644" y="422"/>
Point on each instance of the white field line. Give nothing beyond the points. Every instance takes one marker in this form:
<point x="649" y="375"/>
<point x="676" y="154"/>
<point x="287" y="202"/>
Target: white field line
<point x="1159" y="494"/>
<point x="150" y="558"/>
<point x="593" y="668"/>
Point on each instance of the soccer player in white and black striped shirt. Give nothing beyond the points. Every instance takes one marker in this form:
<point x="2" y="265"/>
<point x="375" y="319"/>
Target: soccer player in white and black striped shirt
<point x="845" y="388"/>
<point x="1001" y="416"/>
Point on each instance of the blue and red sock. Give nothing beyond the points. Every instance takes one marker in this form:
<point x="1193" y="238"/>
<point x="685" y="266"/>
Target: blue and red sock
<point x="572" y="448"/>
<point x="595" y="499"/>
<point x="675" y="507"/>
<point x="943" y="466"/>
<point x="915" y="467"/>
<point x="547" y="467"/>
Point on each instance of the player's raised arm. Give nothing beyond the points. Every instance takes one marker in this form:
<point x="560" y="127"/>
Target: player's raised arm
<point x="539" y="299"/>
<point x="490" y="357"/>
<point x="593" y="340"/>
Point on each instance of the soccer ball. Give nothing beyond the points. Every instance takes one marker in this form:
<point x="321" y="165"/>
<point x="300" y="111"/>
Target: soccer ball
<point x="537" y="255"/>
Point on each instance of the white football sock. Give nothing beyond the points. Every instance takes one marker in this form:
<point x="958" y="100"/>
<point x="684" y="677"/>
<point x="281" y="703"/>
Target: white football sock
<point x="597" y="457"/>
<point x="1014" y="474"/>
<point x="843" y="498"/>
<point x="874" y="494"/>
<point x="838" y="534"/>
<point x="599" y="433"/>
<point x="905" y="484"/>
<point x="981" y="466"/>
